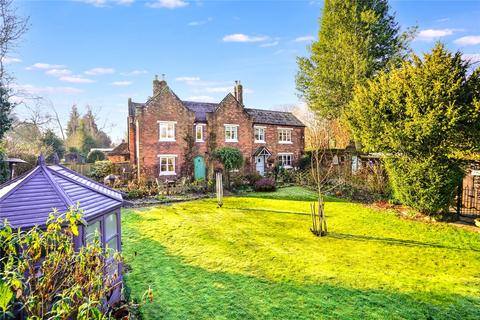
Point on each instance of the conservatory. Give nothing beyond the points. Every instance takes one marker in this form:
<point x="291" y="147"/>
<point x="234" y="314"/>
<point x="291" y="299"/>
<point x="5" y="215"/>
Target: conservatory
<point x="27" y="201"/>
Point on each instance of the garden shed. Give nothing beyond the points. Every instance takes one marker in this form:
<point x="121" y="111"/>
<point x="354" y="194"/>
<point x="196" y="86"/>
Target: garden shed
<point x="28" y="200"/>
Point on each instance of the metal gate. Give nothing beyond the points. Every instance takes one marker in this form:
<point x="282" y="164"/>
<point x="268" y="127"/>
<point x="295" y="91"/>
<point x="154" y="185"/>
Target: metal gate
<point x="468" y="201"/>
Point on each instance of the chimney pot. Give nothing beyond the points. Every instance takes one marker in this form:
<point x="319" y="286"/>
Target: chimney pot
<point x="239" y="92"/>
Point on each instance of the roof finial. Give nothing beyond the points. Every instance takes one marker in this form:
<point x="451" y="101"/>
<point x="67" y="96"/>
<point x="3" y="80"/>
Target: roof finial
<point x="41" y="160"/>
<point x="163" y="76"/>
<point x="56" y="159"/>
<point x="156" y="77"/>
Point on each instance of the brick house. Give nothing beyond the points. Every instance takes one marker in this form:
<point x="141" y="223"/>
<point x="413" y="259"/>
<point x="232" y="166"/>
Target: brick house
<point x="169" y="138"/>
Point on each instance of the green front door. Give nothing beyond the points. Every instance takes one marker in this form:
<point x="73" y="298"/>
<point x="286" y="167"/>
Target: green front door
<point x="199" y="168"/>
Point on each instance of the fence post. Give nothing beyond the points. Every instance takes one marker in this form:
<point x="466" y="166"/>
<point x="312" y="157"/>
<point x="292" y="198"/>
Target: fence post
<point x="459" y="197"/>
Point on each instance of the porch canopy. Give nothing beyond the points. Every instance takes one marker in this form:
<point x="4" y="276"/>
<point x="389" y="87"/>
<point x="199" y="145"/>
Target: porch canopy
<point x="262" y="152"/>
<point x="28" y="199"/>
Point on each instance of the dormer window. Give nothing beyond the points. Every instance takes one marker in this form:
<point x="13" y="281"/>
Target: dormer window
<point x="167" y="130"/>
<point x="231" y="133"/>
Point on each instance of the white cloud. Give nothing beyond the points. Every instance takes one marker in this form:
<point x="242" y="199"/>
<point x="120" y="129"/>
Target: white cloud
<point x="304" y="39"/>
<point x="44" y="66"/>
<point x="134" y="73"/>
<point x="240" y="37"/>
<point x="10" y="60"/>
<point x="468" y="40"/>
<point x="471" y="57"/>
<point x="169" y="4"/>
<point x="187" y="79"/>
<point x="121" y="83"/>
<point x="58" y="72"/>
<point x="431" y="34"/>
<point x="99" y="71"/>
<point x="75" y="79"/>
<point x="269" y="44"/>
<point x="199" y="23"/>
<point x="35" y="90"/>
<point x="201" y="99"/>
<point x="443" y="20"/>
<point x="106" y="3"/>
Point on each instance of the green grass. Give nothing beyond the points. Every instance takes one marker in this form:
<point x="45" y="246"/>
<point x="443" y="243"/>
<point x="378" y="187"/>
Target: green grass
<point x="255" y="258"/>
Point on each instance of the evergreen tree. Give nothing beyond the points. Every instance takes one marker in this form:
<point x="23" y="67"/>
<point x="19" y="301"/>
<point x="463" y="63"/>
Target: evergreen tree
<point x="424" y="116"/>
<point x="55" y="144"/>
<point x="83" y="133"/>
<point x="356" y="40"/>
<point x="74" y="122"/>
<point x="6" y="108"/>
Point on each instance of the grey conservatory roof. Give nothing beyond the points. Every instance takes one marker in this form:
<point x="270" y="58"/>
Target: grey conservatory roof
<point x="29" y="199"/>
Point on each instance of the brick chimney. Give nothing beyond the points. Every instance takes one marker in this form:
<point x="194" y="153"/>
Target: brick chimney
<point x="158" y="84"/>
<point x="238" y="90"/>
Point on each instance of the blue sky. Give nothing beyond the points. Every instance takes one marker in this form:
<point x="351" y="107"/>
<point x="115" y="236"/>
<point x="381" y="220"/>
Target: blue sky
<point x="101" y="52"/>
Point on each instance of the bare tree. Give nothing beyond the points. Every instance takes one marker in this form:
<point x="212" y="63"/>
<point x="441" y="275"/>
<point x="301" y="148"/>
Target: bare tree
<point x="12" y="27"/>
<point x="326" y="173"/>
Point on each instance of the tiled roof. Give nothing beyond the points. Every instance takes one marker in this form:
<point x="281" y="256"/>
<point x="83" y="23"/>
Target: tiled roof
<point x="259" y="116"/>
<point x="28" y="200"/>
<point x="201" y="109"/>
<point x="120" y="150"/>
<point x="274" y="117"/>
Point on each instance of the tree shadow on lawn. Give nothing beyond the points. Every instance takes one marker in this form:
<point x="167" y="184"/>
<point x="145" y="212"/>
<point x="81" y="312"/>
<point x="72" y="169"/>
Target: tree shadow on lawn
<point x="183" y="291"/>
<point x="298" y="194"/>
<point x="393" y="241"/>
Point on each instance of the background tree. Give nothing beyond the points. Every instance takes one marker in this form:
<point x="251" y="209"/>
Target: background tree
<point x="6" y="108"/>
<point x="95" y="155"/>
<point x="55" y="144"/>
<point x="422" y="116"/>
<point x="356" y="40"/>
<point x="83" y="133"/>
<point x="12" y="27"/>
<point x="73" y="124"/>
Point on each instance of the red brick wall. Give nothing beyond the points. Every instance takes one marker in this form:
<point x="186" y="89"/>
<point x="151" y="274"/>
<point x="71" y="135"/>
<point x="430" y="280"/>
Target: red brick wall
<point x="166" y="106"/>
<point x="232" y="112"/>
<point x="271" y="142"/>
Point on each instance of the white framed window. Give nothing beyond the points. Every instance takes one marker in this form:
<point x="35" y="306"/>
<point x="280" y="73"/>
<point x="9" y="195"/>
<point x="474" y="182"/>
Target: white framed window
<point x="259" y="134"/>
<point x="199" y="132"/>
<point x="231" y="133"/>
<point x="284" y="135"/>
<point x="167" y="164"/>
<point x="285" y="160"/>
<point x="166" y="130"/>
<point x="111" y="234"/>
<point x="93" y="231"/>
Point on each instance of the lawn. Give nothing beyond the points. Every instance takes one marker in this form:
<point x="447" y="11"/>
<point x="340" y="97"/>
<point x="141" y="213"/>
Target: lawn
<point x="255" y="258"/>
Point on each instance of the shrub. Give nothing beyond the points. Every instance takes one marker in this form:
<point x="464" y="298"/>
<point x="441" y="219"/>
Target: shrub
<point x="96" y="155"/>
<point x="427" y="185"/>
<point x="101" y="169"/>
<point x="253" y="178"/>
<point x="140" y="188"/>
<point x="231" y="158"/>
<point x="305" y="161"/>
<point x="48" y="278"/>
<point x="265" y="184"/>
